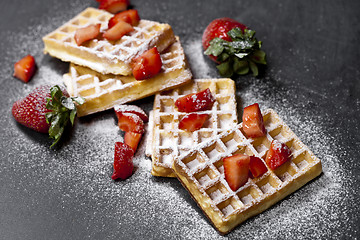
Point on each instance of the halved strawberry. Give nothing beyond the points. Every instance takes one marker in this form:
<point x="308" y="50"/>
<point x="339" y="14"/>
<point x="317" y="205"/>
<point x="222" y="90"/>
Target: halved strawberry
<point x="122" y="108"/>
<point x="193" y="121"/>
<point x="257" y="167"/>
<point x="147" y="65"/>
<point x="194" y="102"/>
<point x="117" y="31"/>
<point x="236" y="170"/>
<point x="114" y="6"/>
<point x="130" y="122"/>
<point x="123" y="163"/>
<point x="25" y="68"/>
<point x="130" y="16"/>
<point x="278" y="154"/>
<point x="87" y="33"/>
<point x="253" y="123"/>
<point x="132" y="139"/>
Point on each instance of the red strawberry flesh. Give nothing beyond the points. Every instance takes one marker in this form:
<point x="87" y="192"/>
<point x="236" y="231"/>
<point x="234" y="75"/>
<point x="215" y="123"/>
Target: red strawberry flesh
<point x="25" y="68"/>
<point x="253" y="122"/>
<point x="193" y="121"/>
<point x="147" y="65"/>
<point x="123" y="163"/>
<point x="130" y="16"/>
<point x="114" y="6"/>
<point x="278" y="154"/>
<point x="117" y="31"/>
<point x="236" y="170"/>
<point x="122" y="108"/>
<point x="87" y="33"/>
<point x="194" y="102"/>
<point x="130" y="122"/>
<point x="132" y="139"/>
<point x="257" y="167"/>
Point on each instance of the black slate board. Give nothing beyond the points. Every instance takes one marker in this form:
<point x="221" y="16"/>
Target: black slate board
<point x="312" y="81"/>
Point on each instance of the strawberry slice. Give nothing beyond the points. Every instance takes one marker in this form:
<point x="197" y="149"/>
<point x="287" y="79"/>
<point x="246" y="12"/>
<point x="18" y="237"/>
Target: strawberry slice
<point x="253" y="123"/>
<point x="122" y="108"/>
<point x="147" y="65"/>
<point x="130" y="16"/>
<point x="257" y="167"/>
<point x="278" y="154"/>
<point x="236" y="170"/>
<point x="130" y="122"/>
<point x="194" y="102"/>
<point x="123" y="163"/>
<point x="117" y="31"/>
<point x="193" y="121"/>
<point x="25" y="68"/>
<point x="132" y="139"/>
<point x="87" y="33"/>
<point x="114" y="6"/>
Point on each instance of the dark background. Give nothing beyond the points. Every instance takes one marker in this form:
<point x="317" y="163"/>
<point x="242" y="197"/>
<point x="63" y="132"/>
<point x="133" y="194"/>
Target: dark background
<point x="312" y="80"/>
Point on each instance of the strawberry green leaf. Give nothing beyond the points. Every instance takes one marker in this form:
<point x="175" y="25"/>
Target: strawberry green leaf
<point x="240" y="55"/>
<point x="62" y="109"/>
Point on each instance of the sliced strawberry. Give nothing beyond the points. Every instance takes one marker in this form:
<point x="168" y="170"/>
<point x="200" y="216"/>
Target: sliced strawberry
<point x="193" y="121"/>
<point x="122" y="108"/>
<point x="194" y="102"/>
<point x="130" y="122"/>
<point x="114" y="6"/>
<point x="123" y="163"/>
<point x="87" y="33"/>
<point x="257" y="167"/>
<point x="25" y="68"/>
<point x="278" y="154"/>
<point x="117" y="31"/>
<point x="147" y="65"/>
<point x="130" y="16"/>
<point x="253" y="123"/>
<point x="236" y="170"/>
<point x="132" y="139"/>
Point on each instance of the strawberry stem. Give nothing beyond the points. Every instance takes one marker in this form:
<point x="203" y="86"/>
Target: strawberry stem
<point x="62" y="109"/>
<point x="240" y="55"/>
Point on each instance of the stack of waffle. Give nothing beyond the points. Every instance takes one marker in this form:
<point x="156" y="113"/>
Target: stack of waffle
<point x="100" y="70"/>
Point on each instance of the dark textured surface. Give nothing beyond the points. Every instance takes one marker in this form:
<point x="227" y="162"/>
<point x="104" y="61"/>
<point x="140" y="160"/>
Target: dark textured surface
<point x="312" y="80"/>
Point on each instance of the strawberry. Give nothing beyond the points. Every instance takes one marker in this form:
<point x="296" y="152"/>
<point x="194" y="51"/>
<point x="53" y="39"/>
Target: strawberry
<point x="122" y="108"/>
<point x="233" y="46"/>
<point x="123" y="163"/>
<point x="147" y="65"/>
<point x="47" y="110"/>
<point x="117" y="31"/>
<point x="257" y="167"/>
<point x="278" y="154"/>
<point x="130" y="16"/>
<point x="130" y="122"/>
<point x="194" y="102"/>
<point x="25" y="68"/>
<point x="253" y="122"/>
<point x="87" y="33"/>
<point x="193" y="121"/>
<point x="236" y="170"/>
<point x="114" y="6"/>
<point x="132" y="139"/>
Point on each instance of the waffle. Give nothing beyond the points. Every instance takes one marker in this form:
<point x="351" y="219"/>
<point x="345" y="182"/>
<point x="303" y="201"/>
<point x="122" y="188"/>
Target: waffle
<point x="102" y="55"/>
<point x="102" y="92"/>
<point x="201" y="172"/>
<point x="167" y="141"/>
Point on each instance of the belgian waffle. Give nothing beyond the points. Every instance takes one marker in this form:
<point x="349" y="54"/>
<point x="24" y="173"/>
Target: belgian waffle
<point x="102" y="92"/>
<point x="167" y="141"/>
<point x="201" y="172"/>
<point x="100" y="54"/>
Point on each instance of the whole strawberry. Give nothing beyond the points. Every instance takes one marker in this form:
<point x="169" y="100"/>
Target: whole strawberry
<point x="233" y="46"/>
<point x="47" y="109"/>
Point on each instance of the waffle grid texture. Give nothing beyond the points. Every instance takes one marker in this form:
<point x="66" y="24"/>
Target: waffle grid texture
<point x="168" y="141"/>
<point x="201" y="171"/>
<point x="100" y="54"/>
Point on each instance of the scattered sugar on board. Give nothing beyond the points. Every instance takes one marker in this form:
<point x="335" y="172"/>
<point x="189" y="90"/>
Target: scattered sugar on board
<point x="82" y="167"/>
